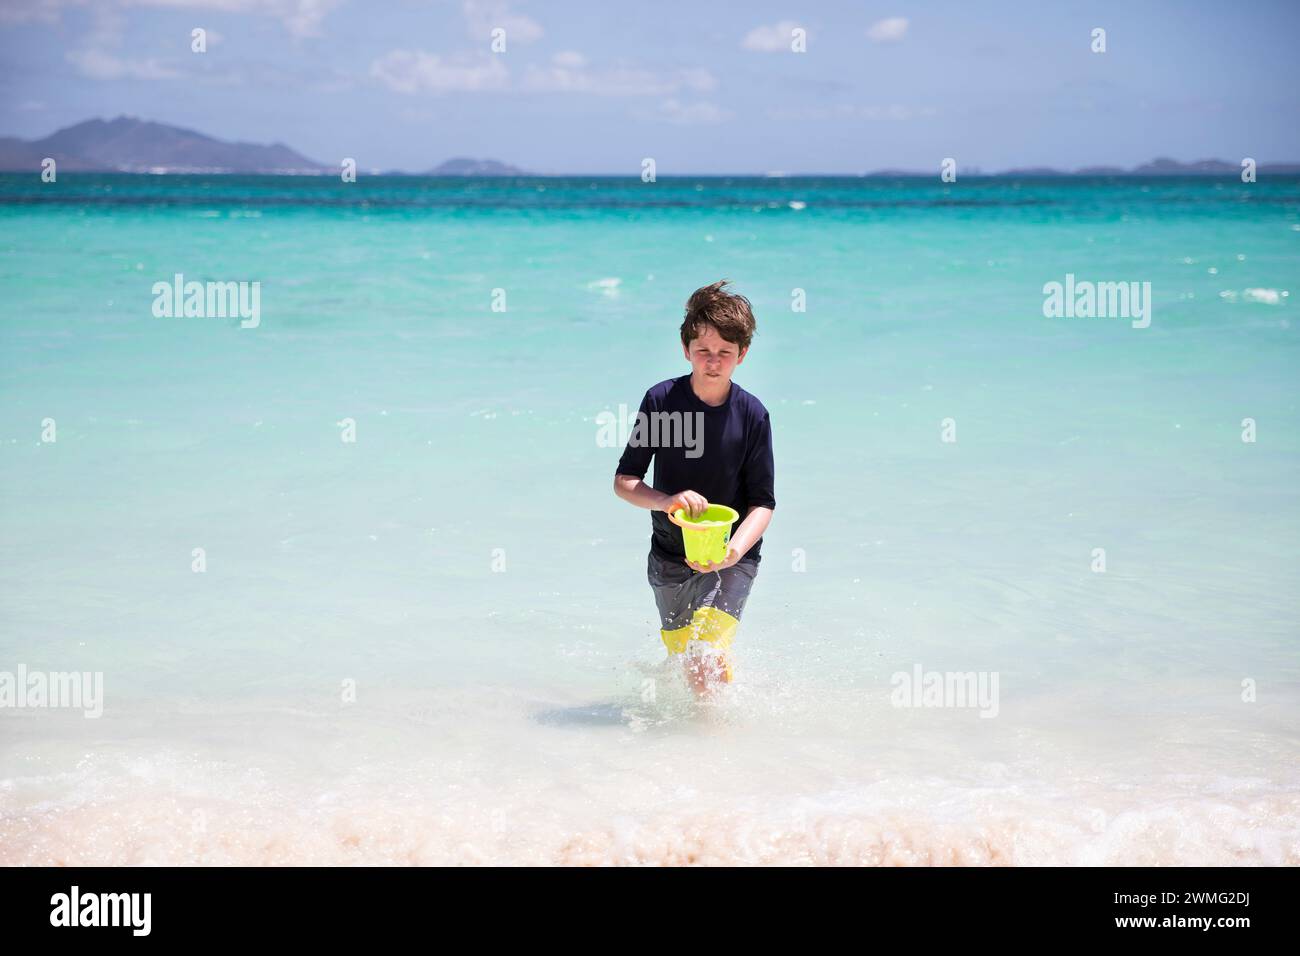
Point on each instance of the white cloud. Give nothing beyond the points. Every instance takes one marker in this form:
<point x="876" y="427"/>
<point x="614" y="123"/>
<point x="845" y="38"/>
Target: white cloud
<point x="692" y="114"/>
<point x="845" y="111"/>
<point x="414" y="71"/>
<point x="774" y="39"/>
<point x="570" y="59"/>
<point x="104" y="66"/>
<point x="35" y="11"/>
<point x="107" y="29"/>
<point x="484" y="16"/>
<point x="301" y="18"/>
<point x="890" y="30"/>
<point x="568" y="73"/>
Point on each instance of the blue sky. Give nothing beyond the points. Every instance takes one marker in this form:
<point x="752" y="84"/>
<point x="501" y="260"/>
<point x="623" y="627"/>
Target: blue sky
<point x="701" y="87"/>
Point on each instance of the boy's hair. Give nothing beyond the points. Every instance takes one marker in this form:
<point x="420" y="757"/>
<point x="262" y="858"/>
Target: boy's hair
<point x="728" y="312"/>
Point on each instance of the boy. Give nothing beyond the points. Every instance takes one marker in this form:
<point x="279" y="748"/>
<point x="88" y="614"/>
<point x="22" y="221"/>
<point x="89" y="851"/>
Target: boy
<point x="728" y="461"/>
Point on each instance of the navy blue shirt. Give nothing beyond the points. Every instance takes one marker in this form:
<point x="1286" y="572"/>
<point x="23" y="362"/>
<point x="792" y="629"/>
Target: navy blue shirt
<point x="723" y="452"/>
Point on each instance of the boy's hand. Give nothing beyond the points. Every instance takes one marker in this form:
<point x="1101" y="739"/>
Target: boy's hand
<point x="694" y="503"/>
<point x="733" y="555"/>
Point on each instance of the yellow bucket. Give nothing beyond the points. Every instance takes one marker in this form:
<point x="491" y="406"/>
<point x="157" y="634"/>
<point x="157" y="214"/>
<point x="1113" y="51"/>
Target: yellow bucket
<point x="705" y="538"/>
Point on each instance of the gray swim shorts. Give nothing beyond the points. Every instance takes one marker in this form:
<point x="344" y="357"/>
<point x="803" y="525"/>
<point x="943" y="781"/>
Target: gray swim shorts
<point x="699" y="605"/>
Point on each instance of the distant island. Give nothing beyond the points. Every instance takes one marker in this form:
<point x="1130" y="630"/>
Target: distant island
<point x="131" y="145"/>
<point x="1157" y="167"/>
<point x="475" y="167"/>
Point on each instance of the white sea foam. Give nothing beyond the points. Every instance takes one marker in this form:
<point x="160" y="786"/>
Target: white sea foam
<point x="608" y="287"/>
<point x="1264" y="296"/>
<point x="768" y="774"/>
<point x="172" y="810"/>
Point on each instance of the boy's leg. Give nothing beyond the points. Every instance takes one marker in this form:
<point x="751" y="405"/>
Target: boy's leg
<point x="700" y="612"/>
<point x="706" y="640"/>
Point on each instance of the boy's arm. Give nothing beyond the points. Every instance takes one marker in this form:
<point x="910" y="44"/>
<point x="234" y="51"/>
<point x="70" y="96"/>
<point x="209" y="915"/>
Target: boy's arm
<point x="636" y="457"/>
<point x="632" y="466"/>
<point x="760" y="472"/>
<point x="633" y="489"/>
<point x="751" y="529"/>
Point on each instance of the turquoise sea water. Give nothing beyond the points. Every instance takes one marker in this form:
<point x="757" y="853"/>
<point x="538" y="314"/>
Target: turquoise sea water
<point x="465" y="568"/>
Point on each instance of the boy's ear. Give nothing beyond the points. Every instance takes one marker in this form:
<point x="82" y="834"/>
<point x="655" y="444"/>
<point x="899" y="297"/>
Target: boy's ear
<point x="741" y="357"/>
<point x="686" y="350"/>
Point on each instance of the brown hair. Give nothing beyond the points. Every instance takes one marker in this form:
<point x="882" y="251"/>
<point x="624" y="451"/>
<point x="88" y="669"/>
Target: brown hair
<point x="728" y="312"/>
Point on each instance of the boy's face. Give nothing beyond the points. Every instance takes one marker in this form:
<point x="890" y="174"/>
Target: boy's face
<point x="712" y="357"/>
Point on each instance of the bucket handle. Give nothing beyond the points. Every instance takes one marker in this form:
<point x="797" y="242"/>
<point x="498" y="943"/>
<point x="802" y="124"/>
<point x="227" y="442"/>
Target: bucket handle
<point x="672" y="516"/>
<point x="690" y="525"/>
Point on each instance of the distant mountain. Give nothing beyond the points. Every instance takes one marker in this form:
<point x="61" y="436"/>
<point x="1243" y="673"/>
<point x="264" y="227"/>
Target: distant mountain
<point x="128" y="144"/>
<point x="1036" y="171"/>
<point x="460" y="166"/>
<point x="19" y="154"/>
<point x="1209" y="167"/>
<point x="1157" y="167"/>
<point x="1172" y="167"/>
<point x="132" y="145"/>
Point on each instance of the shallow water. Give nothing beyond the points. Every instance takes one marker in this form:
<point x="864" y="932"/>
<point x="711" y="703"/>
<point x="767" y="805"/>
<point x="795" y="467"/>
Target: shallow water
<point x="525" y="714"/>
